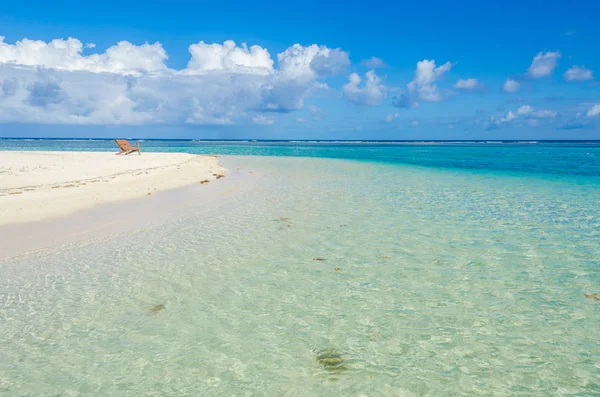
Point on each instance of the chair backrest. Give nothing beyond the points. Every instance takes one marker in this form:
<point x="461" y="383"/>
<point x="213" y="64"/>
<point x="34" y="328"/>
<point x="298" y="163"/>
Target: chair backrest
<point x="123" y="144"/>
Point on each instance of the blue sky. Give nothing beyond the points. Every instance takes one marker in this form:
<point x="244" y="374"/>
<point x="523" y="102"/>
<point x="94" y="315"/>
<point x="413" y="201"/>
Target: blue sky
<point x="444" y="70"/>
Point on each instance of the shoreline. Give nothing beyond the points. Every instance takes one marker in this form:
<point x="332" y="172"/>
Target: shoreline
<point x="37" y="186"/>
<point x="113" y="218"/>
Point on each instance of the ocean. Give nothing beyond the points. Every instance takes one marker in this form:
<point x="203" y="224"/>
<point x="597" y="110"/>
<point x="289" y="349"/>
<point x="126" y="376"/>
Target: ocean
<point x="350" y="269"/>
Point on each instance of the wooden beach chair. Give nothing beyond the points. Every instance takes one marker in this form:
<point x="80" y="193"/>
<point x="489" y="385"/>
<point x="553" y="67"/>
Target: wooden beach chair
<point x="126" y="147"/>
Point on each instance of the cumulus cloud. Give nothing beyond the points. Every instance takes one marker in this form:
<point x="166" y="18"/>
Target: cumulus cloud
<point x="594" y="111"/>
<point x="317" y="113"/>
<point x="540" y="114"/>
<point x="509" y="117"/>
<point x="578" y="73"/>
<point x="60" y="54"/>
<point x="544" y="114"/>
<point x="511" y="86"/>
<point x="391" y="117"/>
<point x="414" y="124"/>
<point x="44" y="94"/>
<point x="526" y="109"/>
<point x="373" y="63"/>
<point x="207" y="116"/>
<point x="467" y="84"/>
<point x="61" y="97"/>
<point x="58" y="82"/>
<point x="543" y="64"/>
<point x="368" y="92"/>
<point x="526" y="112"/>
<point x="298" y="62"/>
<point x="423" y="86"/>
<point x="9" y="87"/>
<point x="228" y="57"/>
<point x="263" y="120"/>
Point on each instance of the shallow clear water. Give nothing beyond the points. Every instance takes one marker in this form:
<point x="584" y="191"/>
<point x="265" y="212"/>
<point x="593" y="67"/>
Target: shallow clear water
<point x="450" y="281"/>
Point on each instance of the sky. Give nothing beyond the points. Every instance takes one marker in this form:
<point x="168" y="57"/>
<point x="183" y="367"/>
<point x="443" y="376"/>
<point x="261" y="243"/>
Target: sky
<point x="310" y="70"/>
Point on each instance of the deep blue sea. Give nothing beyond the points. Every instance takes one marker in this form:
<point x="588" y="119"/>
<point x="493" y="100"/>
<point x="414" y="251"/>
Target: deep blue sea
<point x="342" y="269"/>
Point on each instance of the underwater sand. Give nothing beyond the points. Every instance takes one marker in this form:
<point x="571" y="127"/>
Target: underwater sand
<point x="430" y="282"/>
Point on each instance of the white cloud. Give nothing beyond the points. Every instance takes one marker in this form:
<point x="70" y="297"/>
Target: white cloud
<point x="511" y="85"/>
<point x="229" y="58"/>
<point x="509" y="117"/>
<point x="263" y="120"/>
<point x="594" y="111"/>
<point x="373" y="63"/>
<point x="57" y="83"/>
<point x="423" y="85"/>
<point x="578" y="73"/>
<point x="298" y="62"/>
<point x="468" y="84"/>
<point x="543" y="64"/>
<point x="544" y="114"/>
<point x="414" y="124"/>
<point x="391" y="117"/>
<point x="368" y="92"/>
<point x="61" y="97"/>
<point x="209" y="116"/>
<point x="300" y="120"/>
<point x="123" y="58"/>
<point x="527" y="112"/>
<point x="316" y="112"/>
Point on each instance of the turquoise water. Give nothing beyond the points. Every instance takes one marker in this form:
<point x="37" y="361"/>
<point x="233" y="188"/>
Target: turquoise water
<point x="548" y="158"/>
<point x="446" y="270"/>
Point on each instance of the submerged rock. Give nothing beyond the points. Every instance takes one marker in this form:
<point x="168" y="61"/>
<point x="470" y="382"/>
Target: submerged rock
<point x="157" y="308"/>
<point x="330" y="359"/>
<point x="592" y="296"/>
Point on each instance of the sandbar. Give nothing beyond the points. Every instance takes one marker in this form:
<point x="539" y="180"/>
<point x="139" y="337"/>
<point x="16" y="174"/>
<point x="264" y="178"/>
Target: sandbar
<point x="36" y="186"/>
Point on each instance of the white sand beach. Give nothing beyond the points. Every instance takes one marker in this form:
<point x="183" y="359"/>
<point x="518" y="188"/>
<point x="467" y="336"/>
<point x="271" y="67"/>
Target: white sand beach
<point x="36" y="186"/>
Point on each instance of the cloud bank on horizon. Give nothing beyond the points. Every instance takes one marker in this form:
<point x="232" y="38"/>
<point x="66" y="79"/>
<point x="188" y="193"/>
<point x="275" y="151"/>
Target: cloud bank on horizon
<point x="63" y="81"/>
<point x="56" y="83"/>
